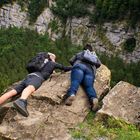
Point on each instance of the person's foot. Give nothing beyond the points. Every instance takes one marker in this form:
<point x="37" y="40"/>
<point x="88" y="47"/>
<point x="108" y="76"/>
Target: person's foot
<point x="95" y="104"/>
<point x="69" y="100"/>
<point x="21" y="107"/>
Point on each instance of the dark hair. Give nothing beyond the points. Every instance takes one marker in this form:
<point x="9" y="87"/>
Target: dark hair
<point x="89" y="47"/>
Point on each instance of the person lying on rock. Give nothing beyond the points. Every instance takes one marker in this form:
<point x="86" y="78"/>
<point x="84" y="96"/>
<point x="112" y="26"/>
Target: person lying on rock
<point x="40" y="68"/>
<point x="83" y="72"/>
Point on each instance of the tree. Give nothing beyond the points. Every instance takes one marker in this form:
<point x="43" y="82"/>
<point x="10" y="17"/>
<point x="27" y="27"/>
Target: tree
<point x="67" y="9"/>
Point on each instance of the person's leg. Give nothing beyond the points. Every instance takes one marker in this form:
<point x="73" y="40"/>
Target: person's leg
<point x="76" y="79"/>
<point x="27" y="92"/>
<point x="32" y="83"/>
<point x="7" y="95"/>
<point x="87" y="83"/>
<point x="21" y="103"/>
<point x="16" y="90"/>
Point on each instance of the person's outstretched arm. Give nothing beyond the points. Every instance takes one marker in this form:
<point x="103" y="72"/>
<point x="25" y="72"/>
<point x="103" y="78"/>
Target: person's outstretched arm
<point x="62" y="67"/>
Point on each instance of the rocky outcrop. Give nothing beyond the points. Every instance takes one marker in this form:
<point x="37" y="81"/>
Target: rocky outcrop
<point x="122" y="102"/>
<point x="49" y="118"/>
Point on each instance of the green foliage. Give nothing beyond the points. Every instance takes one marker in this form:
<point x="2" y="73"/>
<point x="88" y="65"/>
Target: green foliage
<point x="134" y="14"/>
<point x="53" y="25"/>
<point x="130" y="44"/>
<point x="17" y="46"/>
<point x="117" y="9"/>
<point x="65" y="9"/>
<point x="109" y="128"/>
<point x="35" y="8"/>
<point x="4" y="2"/>
<point x="122" y="71"/>
<point x="65" y="50"/>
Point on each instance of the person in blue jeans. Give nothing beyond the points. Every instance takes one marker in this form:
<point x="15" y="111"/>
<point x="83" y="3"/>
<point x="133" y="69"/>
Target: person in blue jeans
<point x="83" y="73"/>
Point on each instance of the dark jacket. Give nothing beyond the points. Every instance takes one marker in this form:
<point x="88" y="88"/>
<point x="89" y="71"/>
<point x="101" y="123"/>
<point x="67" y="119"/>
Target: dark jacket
<point x="49" y="67"/>
<point x="78" y="59"/>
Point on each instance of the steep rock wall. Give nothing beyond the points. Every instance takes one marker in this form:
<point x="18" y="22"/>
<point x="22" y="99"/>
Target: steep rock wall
<point x="14" y="16"/>
<point x="110" y="40"/>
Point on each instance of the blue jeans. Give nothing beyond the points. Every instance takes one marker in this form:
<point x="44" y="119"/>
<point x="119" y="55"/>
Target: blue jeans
<point x="81" y="74"/>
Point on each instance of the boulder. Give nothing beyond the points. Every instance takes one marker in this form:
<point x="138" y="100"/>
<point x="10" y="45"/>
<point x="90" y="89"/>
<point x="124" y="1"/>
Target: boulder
<point x="49" y="118"/>
<point x="122" y="102"/>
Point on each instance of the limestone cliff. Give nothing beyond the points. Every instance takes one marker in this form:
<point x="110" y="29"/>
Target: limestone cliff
<point x="109" y="40"/>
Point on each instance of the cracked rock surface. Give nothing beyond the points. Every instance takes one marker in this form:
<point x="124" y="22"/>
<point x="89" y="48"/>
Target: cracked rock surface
<point x="122" y="102"/>
<point x="49" y="118"/>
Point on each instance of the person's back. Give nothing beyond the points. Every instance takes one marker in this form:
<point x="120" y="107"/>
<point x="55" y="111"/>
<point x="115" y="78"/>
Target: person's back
<point x="36" y="63"/>
<point x="46" y="65"/>
<point x="79" y="58"/>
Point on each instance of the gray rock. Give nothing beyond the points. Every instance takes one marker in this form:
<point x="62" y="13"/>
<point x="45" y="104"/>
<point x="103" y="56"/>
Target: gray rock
<point x="113" y="37"/>
<point x="122" y="102"/>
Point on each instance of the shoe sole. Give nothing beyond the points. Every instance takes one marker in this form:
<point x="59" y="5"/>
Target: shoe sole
<point x="20" y="110"/>
<point x="70" y="100"/>
<point x="95" y="105"/>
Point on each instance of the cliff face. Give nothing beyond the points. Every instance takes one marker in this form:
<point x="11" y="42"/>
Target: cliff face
<point x="49" y="117"/>
<point x="14" y="16"/>
<point x="109" y="39"/>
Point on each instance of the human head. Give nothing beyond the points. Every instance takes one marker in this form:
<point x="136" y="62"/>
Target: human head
<point x="52" y="56"/>
<point x="88" y="47"/>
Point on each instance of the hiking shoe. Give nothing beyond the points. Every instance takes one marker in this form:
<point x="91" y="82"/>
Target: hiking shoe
<point x="21" y="107"/>
<point x="95" y="104"/>
<point x="69" y="100"/>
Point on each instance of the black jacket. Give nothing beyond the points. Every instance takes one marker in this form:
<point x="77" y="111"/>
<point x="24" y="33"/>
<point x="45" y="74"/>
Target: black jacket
<point x="49" y="67"/>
